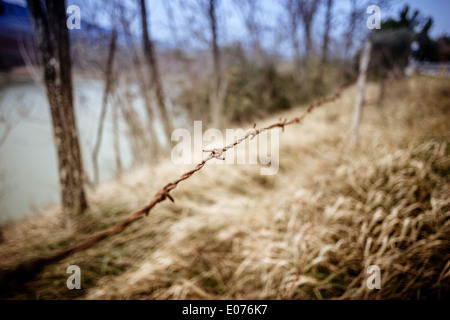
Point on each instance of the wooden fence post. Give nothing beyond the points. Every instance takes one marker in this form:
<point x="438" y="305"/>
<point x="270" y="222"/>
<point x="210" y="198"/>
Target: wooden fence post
<point x="357" y="110"/>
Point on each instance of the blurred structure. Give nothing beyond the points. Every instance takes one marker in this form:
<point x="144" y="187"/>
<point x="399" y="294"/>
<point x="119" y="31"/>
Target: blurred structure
<point x="16" y="32"/>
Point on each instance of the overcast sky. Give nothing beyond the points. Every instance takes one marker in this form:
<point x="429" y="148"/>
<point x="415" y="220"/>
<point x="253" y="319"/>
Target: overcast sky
<point x="234" y="29"/>
<point x="230" y="17"/>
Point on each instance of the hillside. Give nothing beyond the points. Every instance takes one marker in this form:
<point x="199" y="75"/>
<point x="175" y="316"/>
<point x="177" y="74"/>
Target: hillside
<point x="308" y="232"/>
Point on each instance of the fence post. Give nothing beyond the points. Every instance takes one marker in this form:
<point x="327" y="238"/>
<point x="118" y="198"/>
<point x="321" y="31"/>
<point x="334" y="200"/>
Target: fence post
<point x="357" y="109"/>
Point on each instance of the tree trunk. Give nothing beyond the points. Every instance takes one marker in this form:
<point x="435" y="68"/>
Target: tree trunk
<point x="135" y="130"/>
<point x="53" y="42"/>
<point x="116" y="140"/>
<point x="150" y="56"/>
<point x="215" y="97"/>
<point x="307" y="10"/>
<point x="326" y="34"/>
<point x="349" y="34"/>
<point x="308" y="42"/>
<point x="357" y="113"/>
<point x="108" y="87"/>
<point x="291" y="8"/>
<point x="150" y="142"/>
<point x="216" y="52"/>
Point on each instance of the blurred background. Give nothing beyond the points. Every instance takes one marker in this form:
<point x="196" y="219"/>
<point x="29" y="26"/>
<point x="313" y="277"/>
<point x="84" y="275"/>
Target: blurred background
<point x="264" y="56"/>
<point x="86" y="116"/>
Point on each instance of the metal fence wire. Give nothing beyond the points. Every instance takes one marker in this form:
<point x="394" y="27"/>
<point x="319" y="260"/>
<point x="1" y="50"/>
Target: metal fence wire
<point x="11" y="279"/>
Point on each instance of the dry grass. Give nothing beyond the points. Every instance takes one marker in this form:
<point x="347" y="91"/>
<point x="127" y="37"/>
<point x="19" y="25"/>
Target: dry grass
<point x="308" y="232"/>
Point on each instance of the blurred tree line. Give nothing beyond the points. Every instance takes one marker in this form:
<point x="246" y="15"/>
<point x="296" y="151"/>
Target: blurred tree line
<point x="398" y="41"/>
<point x="282" y="60"/>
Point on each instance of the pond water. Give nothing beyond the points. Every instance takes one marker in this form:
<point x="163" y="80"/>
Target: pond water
<point x="28" y="161"/>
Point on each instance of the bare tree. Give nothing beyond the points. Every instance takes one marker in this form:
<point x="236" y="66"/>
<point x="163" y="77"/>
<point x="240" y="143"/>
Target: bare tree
<point x="290" y="7"/>
<point x="135" y="130"/>
<point x="108" y="87"/>
<point x="353" y="18"/>
<point x="215" y="46"/>
<point x="132" y="118"/>
<point x="307" y="10"/>
<point x="190" y="74"/>
<point x="219" y="86"/>
<point x="249" y="10"/>
<point x="53" y="41"/>
<point x="301" y="11"/>
<point x="205" y="32"/>
<point x="326" y="33"/>
<point x="150" y="56"/>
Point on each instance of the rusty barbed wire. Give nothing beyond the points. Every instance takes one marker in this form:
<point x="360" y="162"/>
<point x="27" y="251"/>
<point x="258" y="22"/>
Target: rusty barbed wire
<point x="31" y="268"/>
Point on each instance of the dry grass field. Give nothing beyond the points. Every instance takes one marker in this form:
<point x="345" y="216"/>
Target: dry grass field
<point x="308" y="232"/>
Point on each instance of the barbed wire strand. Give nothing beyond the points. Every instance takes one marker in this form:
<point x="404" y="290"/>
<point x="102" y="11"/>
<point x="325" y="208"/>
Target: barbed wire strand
<point x="29" y="269"/>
